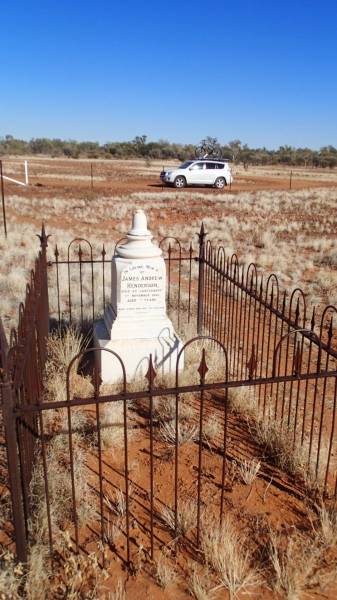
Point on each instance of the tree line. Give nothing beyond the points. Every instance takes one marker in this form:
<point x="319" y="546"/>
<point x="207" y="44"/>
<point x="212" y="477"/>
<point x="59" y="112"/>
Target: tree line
<point x="140" y="147"/>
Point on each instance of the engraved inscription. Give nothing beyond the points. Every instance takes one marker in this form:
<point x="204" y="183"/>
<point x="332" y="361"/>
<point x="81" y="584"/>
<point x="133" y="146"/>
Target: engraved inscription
<point x="142" y="287"/>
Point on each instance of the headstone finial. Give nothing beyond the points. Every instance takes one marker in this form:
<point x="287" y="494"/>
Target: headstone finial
<point x="139" y="239"/>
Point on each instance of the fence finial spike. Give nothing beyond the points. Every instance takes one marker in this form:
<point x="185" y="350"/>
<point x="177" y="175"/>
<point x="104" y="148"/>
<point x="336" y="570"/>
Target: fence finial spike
<point x="203" y="368"/>
<point x="43" y="237"/>
<point x="202" y="234"/>
<point x="252" y="363"/>
<point x="151" y="373"/>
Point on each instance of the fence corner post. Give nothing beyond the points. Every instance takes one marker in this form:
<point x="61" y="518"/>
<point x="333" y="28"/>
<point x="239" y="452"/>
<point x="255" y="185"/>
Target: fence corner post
<point x="14" y="471"/>
<point x="201" y="260"/>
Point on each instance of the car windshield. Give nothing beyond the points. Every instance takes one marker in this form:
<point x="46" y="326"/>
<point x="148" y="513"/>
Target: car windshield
<point x="186" y="164"/>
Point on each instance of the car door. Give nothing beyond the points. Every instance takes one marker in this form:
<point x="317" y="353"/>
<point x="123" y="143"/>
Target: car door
<point x="196" y="173"/>
<point x="210" y="173"/>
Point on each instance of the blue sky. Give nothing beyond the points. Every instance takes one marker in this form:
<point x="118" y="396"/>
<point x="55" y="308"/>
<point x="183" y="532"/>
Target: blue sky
<point x="261" y="71"/>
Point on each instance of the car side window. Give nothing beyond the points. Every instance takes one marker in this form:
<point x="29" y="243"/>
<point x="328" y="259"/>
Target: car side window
<point x="197" y="167"/>
<point x="211" y="166"/>
<point x="220" y="166"/>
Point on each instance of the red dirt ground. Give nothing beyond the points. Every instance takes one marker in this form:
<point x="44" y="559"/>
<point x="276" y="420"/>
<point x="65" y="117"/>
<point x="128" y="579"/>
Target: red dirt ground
<point x="272" y="500"/>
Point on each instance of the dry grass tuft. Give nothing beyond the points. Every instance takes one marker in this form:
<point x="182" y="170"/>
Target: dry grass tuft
<point x="249" y="470"/>
<point x="116" y="502"/>
<point x="62" y="347"/>
<point x="186" y="433"/>
<point x="165" y="572"/>
<point x="112" y="531"/>
<point x="198" y="585"/>
<point x="119" y="592"/>
<point x="112" y="420"/>
<point x="227" y="552"/>
<point x="164" y="409"/>
<point x="327" y="532"/>
<point x="186" y="517"/>
<point x="11" y="577"/>
<point x="275" y="441"/>
<point x="38" y="573"/>
<point x="243" y="400"/>
<point x="211" y="432"/>
<point x="59" y="487"/>
<point x="277" y="444"/>
<point x="81" y="573"/>
<point x="293" y="564"/>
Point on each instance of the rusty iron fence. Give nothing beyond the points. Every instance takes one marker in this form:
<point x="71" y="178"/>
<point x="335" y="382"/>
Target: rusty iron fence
<point x="80" y="281"/>
<point x="23" y="360"/>
<point x="269" y="344"/>
<point x="273" y="341"/>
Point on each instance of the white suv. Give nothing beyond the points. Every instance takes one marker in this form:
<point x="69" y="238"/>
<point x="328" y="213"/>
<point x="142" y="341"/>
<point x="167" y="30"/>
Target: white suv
<point x="214" y="172"/>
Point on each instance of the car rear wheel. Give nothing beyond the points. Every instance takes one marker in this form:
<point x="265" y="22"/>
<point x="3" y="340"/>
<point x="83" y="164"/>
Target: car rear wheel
<point x="179" y="182"/>
<point x="220" y="183"/>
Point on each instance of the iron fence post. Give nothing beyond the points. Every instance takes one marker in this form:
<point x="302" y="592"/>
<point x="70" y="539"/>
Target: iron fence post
<point x="201" y="282"/>
<point x="3" y="200"/>
<point x="14" y="471"/>
<point x="44" y="293"/>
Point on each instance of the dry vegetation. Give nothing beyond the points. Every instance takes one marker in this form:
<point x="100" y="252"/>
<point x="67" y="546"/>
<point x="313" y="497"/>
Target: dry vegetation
<point x="289" y="232"/>
<point x="271" y="544"/>
<point x="246" y="554"/>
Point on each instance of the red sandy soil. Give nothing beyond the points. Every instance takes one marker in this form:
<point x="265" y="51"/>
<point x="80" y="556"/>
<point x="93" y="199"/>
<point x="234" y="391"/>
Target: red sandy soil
<point x="273" y="500"/>
<point x="118" y="178"/>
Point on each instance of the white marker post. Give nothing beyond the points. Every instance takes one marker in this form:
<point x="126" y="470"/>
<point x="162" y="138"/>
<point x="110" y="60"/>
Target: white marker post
<point x="25" y="182"/>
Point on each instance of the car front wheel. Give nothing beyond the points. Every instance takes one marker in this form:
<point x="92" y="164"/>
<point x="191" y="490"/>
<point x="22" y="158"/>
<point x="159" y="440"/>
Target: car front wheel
<point x="179" y="182"/>
<point x="220" y="183"/>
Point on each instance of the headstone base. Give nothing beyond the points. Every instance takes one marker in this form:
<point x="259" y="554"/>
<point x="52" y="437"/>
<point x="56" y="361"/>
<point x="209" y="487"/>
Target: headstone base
<point x="135" y="353"/>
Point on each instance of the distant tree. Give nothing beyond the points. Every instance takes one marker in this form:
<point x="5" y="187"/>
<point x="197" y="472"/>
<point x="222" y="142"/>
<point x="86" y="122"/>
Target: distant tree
<point x="165" y="150"/>
<point x="235" y="147"/>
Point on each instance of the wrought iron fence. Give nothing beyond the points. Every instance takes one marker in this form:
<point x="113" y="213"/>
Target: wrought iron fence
<point x="80" y="281"/>
<point x="271" y="339"/>
<point x="287" y="361"/>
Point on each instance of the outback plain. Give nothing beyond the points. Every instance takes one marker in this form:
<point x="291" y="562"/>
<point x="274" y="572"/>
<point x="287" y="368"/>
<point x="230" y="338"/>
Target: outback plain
<point x="290" y="232"/>
<point x="278" y="538"/>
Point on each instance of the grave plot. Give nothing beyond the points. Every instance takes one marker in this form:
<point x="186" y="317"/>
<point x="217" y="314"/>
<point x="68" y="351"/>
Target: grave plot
<point x="196" y="479"/>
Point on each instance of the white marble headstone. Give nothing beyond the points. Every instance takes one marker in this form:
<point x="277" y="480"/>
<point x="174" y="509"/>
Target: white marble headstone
<point x="135" y="323"/>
